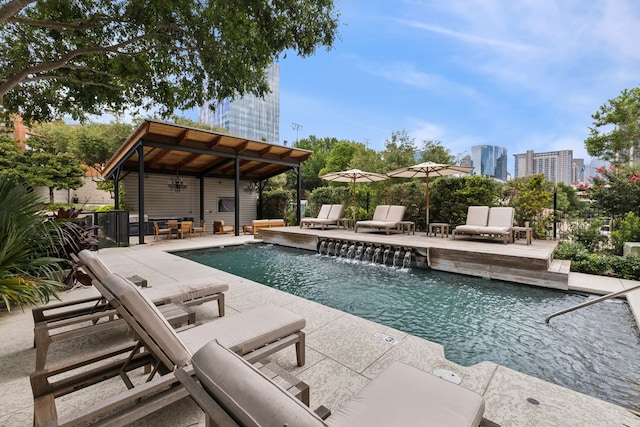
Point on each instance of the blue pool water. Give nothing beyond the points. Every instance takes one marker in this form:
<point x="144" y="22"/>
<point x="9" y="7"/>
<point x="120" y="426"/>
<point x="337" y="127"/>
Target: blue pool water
<point x="593" y="350"/>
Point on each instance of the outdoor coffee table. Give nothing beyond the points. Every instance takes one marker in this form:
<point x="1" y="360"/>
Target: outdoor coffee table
<point x="408" y="226"/>
<point x="528" y="233"/>
<point x="439" y="227"/>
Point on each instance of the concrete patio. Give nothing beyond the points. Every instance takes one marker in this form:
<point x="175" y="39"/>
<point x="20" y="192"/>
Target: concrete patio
<point x="344" y="352"/>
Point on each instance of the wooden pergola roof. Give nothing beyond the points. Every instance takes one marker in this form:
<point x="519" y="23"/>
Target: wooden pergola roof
<point x="168" y="147"/>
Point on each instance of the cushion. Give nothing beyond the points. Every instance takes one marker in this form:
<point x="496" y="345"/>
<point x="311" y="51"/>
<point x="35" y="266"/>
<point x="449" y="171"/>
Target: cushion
<point x="184" y="291"/>
<point x="477" y="215"/>
<point x="324" y="211"/>
<point x="245" y="394"/>
<point x="95" y="264"/>
<point x="380" y="214"/>
<point x="405" y="396"/>
<point x="246" y="331"/>
<point x="396" y="214"/>
<point x="336" y="212"/>
<point x="500" y="217"/>
<point x="149" y="318"/>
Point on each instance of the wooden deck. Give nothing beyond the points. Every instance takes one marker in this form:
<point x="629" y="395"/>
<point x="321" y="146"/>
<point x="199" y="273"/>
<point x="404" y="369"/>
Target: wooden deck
<point x="514" y="262"/>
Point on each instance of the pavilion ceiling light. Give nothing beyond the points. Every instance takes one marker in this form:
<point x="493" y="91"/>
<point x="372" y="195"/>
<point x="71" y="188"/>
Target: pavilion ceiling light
<point x="176" y="183"/>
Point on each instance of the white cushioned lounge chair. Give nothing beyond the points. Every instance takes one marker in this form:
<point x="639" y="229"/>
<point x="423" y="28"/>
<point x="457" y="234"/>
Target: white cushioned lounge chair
<point x="491" y="222"/>
<point x="384" y="217"/>
<point x="233" y="393"/>
<point x="328" y="215"/>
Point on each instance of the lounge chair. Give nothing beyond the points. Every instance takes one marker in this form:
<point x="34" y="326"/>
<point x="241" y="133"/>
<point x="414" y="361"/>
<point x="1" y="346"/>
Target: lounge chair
<point x="254" y="334"/>
<point x="73" y="319"/>
<point x="328" y="215"/>
<point x="221" y="228"/>
<point x="157" y="231"/>
<point x="202" y="229"/>
<point x="233" y="393"/>
<point x="477" y="217"/>
<point x="499" y="221"/>
<point x="384" y="217"/>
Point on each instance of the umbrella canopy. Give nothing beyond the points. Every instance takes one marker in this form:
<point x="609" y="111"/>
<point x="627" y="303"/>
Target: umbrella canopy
<point x="429" y="169"/>
<point x="353" y="176"/>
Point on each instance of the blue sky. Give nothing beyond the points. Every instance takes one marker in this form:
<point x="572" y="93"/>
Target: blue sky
<point x="524" y="74"/>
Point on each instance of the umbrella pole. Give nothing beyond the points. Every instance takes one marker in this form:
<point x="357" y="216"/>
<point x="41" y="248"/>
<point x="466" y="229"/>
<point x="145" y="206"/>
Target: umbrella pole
<point x="353" y="201"/>
<point x="427" y="203"/>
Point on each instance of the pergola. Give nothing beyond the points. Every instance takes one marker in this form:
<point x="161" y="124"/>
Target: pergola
<point x="161" y="148"/>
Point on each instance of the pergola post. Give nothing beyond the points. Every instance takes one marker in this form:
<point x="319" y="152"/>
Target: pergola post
<point x="141" y="222"/>
<point x="237" y="196"/>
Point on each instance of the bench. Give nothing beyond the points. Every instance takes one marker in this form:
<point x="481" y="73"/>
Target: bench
<point x="257" y="224"/>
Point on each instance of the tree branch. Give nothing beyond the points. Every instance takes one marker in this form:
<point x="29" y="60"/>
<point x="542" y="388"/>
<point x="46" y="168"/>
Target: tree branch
<point x="80" y="24"/>
<point x="73" y="80"/>
<point x="23" y="75"/>
<point x="11" y="8"/>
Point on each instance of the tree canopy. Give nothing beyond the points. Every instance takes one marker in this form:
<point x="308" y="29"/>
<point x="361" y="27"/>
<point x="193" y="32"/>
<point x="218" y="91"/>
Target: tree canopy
<point x="615" y="134"/>
<point x="70" y="57"/>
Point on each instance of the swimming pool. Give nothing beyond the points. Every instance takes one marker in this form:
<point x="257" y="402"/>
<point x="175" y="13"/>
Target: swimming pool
<point x="593" y="350"/>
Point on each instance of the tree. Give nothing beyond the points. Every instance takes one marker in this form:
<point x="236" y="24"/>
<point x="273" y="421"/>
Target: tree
<point x="399" y="151"/>
<point x="10" y="157"/>
<point x="616" y="190"/>
<point x="96" y="143"/>
<point x="530" y="196"/>
<point x="615" y="134"/>
<point x="433" y="151"/>
<point x="47" y="168"/>
<point x="313" y="165"/>
<point x="340" y="156"/>
<point x="68" y="57"/>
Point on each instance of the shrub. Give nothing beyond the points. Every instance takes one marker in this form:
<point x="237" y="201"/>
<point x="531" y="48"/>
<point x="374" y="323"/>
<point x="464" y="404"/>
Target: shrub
<point x="573" y="251"/>
<point x="30" y="248"/>
<point x="588" y="233"/>
<point x="275" y="203"/>
<point x="627" y="230"/>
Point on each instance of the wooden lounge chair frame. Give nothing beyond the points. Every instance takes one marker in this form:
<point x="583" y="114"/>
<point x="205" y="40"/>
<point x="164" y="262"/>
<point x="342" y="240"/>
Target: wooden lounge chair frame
<point x="202" y="229"/>
<point x="385" y="217"/>
<point x="73" y="319"/>
<point x="157" y="231"/>
<point x="481" y="222"/>
<point x="221" y="228"/>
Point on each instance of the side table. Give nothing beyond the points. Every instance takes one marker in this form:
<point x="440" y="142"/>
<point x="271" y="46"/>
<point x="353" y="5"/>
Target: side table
<point x="408" y="226"/>
<point x="346" y="223"/>
<point x="516" y="231"/>
<point x="439" y="227"/>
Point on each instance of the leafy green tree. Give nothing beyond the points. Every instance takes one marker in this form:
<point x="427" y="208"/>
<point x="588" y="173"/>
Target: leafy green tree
<point x="616" y="190"/>
<point x="399" y="151"/>
<point x="530" y="196"/>
<point x="29" y="248"/>
<point x="313" y="165"/>
<point x="433" y="151"/>
<point x="10" y="158"/>
<point x="44" y="166"/>
<point x="367" y="159"/>
<point x="67" y="57"/>
<point x="568" y="200"/>
<point x="615" y="134"/>
<point x="95" y="143"/>
<point x="340" y="156"/>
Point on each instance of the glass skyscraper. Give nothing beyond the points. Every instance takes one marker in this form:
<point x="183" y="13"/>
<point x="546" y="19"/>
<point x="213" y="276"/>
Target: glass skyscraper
<point x="249" y="117"/>
<point x="489" y="160"/>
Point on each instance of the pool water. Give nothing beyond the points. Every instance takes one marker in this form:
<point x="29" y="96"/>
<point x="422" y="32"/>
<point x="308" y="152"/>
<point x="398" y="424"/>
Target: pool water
<point x="593" y="350"/>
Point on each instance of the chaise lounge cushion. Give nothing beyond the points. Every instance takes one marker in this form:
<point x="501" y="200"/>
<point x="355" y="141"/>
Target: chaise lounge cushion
<point x="244" y="392"/>
<point x="405" y="396"/>
<point x="245" y="333"/>
<point x="169" y="293"/>
<point x="400" y="396"/>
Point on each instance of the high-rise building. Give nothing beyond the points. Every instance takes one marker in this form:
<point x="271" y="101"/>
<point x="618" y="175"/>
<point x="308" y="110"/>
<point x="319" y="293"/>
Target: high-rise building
<point x="249" y="117"/>
<point x="557" y="166"/>
<point x="489" y="160"/>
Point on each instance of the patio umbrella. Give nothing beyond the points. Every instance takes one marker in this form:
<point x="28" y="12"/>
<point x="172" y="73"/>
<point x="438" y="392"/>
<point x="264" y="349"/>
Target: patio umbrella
<point x="429" y="169"/>
<point x="353" y="176"/>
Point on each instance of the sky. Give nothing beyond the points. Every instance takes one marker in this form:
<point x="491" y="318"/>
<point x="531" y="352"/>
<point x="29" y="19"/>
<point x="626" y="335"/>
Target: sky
<point x="524" y="75"/>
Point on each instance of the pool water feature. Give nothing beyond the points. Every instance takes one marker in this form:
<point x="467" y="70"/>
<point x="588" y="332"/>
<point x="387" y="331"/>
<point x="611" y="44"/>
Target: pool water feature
<point x="593" y="350"/>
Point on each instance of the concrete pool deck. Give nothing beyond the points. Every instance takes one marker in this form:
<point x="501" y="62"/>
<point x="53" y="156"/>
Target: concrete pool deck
<point x="344" y="352"/>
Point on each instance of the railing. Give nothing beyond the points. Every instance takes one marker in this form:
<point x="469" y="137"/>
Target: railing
<point x="594" y="301"/>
